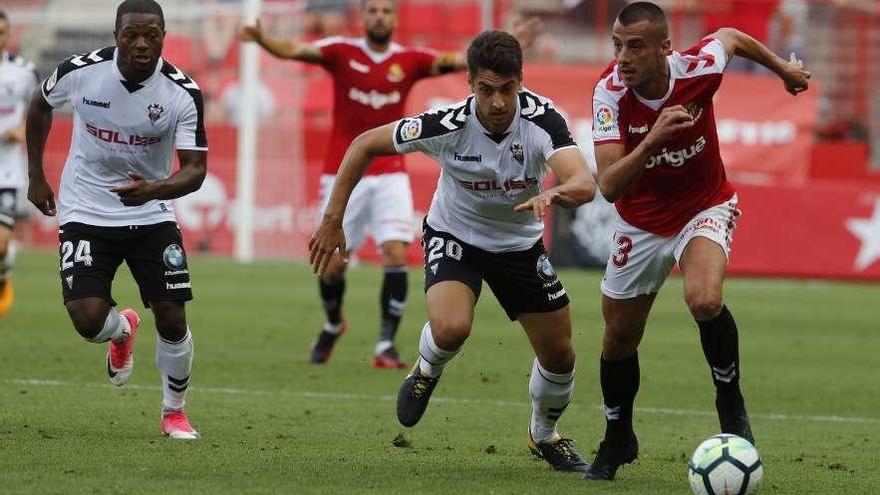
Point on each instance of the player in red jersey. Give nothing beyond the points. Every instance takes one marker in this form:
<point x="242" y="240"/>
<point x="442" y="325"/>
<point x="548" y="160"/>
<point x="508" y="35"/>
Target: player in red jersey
<point x="372" y="77"/>
<point x="659" y="162"/>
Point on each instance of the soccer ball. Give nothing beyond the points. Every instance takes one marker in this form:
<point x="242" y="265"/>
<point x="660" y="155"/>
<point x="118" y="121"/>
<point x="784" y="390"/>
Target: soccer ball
<point x="725" y="465"/>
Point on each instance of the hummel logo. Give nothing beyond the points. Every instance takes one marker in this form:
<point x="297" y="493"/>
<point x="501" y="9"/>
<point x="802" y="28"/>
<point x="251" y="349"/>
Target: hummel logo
<point x="725" y="375"/>
<point x="362" y="68"/>
<point x="96" y="103"/>
<point x="469" y="158"/>
<point x="612" y="413"/>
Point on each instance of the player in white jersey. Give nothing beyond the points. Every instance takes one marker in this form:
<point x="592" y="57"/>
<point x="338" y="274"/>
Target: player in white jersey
<point x="659" y="161"/>
<point x="485" y="223"/>
<point x="17" y="81"/>
<point x="131" y="108"/>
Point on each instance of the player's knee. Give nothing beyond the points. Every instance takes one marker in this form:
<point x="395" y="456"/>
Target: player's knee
<point x="704" y="305"/>
<point x="87" y="321"/>
<point x="450" y="333"/>
<point x="559" y="360"/>
<point x="618" y="344"/>
<point x="170" y="320"/>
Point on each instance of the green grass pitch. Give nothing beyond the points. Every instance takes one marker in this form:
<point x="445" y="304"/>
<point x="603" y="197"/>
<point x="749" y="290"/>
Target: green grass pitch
<point x="272" y="423"/>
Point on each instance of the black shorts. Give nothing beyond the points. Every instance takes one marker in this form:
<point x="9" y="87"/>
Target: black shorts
<point x="8" y="200"/>
<point x="522" y="281"/>
<point x="154" y="253"/>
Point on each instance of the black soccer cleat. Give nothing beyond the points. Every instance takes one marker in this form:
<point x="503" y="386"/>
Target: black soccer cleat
<point x="559" y="453"/>
<point x="323" y="347"/>
<point x="736" y="422"/>
<point x="413" y="396"/>
<point x="610" y="457"/>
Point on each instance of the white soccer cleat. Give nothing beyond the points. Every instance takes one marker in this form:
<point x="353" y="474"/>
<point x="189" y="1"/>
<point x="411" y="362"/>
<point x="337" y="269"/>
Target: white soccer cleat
<point x="176" y="425"/>
<point x="120" y="360"/>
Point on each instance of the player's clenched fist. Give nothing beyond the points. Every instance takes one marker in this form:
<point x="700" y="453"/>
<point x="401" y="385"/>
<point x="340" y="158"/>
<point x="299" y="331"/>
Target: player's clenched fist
<point x="795" y="77"/>
<point x="251" y="33"/>
<point x="671" y="121"/>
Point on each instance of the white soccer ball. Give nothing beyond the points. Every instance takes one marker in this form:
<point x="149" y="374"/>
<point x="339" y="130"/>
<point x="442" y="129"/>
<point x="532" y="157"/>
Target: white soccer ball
<point x="725" y="465"/>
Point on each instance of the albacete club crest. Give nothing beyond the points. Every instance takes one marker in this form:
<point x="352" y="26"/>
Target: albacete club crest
<point x="155" y="111"/>
<point x="517" y="151"/>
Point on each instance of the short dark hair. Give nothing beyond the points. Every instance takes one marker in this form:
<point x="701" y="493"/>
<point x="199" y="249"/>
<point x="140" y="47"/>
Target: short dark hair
<point x="3" y="16"/>
<point x="643" y="11"/>
<point x="139" y="7"/>
<point x="497" y="51"/>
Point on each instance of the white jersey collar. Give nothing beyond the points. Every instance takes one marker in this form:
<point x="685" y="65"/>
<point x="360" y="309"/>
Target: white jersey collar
<point x="378" y="57"/>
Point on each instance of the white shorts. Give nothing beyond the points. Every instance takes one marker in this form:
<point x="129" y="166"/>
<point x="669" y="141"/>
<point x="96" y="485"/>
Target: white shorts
<point x="641" y="260"/>
<point x="380" y="205"/>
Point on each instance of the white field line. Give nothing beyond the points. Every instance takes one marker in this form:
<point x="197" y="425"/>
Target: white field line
<point x="450" y="400"/>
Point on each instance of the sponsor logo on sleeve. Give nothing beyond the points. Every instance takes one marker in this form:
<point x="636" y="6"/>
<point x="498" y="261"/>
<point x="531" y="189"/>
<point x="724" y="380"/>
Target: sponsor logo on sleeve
<point x="410" y="129"/>
<point x="604" y="118"/>
<point x="50" y="82"/>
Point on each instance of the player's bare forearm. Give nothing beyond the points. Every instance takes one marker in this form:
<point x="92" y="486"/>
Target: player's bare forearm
<point x="282" y="48"/>
<point x="375" y="142"/>
<point x="741" y="44"/>
<point x="576" y="184"/>
<point x="618" y="171"/>
<point x="38" y="125"/>
<point x="193" y="169"/>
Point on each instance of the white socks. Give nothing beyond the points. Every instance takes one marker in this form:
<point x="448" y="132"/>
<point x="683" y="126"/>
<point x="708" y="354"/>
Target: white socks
<point x="115" y="328"/>
<point x="174" y="360"/>
<point x="551" y="393"/>
<point x="433" y="358"/>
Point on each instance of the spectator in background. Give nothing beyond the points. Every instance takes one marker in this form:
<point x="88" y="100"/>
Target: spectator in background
<point x="17" y="81"/>
<point x="232" y="97"/>
<point x="325" y="18"/>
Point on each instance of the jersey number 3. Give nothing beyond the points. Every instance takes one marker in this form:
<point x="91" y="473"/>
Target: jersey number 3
<point x="83" y="254"/>
<point x="621" y="257"/>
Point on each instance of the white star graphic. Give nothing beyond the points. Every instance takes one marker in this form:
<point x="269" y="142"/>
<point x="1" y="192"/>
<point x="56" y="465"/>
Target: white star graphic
<point x="868" y="232"/>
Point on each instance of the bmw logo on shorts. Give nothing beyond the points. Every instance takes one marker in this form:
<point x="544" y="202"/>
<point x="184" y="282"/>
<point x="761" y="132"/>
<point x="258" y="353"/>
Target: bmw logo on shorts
<point x="545" y="269"/>
<point x="173" y="257"/>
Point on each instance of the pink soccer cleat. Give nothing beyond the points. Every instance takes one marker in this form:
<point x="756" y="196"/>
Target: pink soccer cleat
<point x="175" y="424"/>
<point x="120" y="361"/>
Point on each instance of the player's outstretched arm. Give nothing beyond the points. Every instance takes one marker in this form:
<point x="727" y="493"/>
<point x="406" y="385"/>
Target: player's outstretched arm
<point x="526" y="31"/>
<point x="39" y="123"/>
<point x="791" y="71"/>
<point x="618" y="170"/>
<point x="329" y="236"/>
<point x="280" y="47"/>
<point x="576" y="185"/>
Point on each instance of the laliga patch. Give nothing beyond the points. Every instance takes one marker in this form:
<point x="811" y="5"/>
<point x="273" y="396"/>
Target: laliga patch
<point x="50" y="82"/>
<point x="173" y="257"/>
<point x="410" y="129"/>
<point x="604" y="118"/>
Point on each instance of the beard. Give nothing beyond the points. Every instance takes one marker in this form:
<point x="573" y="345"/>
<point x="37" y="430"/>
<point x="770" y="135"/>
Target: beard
<point x="378" y="37"/>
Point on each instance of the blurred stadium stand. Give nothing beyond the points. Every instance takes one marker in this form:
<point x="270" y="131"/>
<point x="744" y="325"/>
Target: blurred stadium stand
<point x="839" y="41"/>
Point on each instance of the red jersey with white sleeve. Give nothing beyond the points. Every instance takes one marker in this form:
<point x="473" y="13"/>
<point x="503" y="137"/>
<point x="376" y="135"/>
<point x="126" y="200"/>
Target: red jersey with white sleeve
<point x="686" y="176"/>
<point x="370" y="90"/>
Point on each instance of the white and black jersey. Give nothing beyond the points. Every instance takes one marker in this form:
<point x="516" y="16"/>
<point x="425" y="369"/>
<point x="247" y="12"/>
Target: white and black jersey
<point x="17" y="82"/>
<point x="120" y="127"/>
<point x="484" y="176"/>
